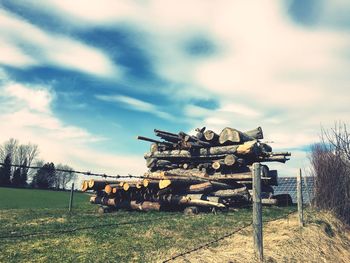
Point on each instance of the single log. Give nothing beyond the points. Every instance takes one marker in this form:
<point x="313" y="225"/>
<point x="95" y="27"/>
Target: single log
<point x="217" y="165"/>
<point x="168" y="137"/>
<point x="108" y="189"/>
<point x="232" y="136"/>
<point x="199" y="188"/>
<point x="205" y="203"/>
<point x="281" y="159"/>
<point x="139" y="206"/>
<point x="231" y="192"/>
<point x="144" y="206"/>
<point x="164" y="183"/>
<point x="211" y="136"/>
<point x="265" y="147"/>
<point x="153" y="147"/>
<point x="163" y="163"/>
<point x="256" y="133"/>
<point x="269" y="201"/>
<point x="185" y="166"/>
<point x="247" y="147"/>
<point x="151" y="162"/>
<point x="230" y="160"/>
<point x="200" y="133"/>
<point x="145" y="182"/>
<point x="164" y="132"/>
<point x="191" y="200"/>
<point x="84" y="186"/>
<point x="154" y="141"/>
<point x="194" y="139"/>
<point x="103" y="201"/>
<point x="126" y="187"/>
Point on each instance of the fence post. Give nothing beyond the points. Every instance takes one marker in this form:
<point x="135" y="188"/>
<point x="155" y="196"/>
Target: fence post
<point x="300" y="198"/>
<point x="257" y="212"/>
<point x="71" y="198"/>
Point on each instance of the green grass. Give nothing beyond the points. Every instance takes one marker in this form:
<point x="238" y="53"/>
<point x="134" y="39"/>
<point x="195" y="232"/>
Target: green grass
<point x="160" y="235"/>
<point x="33" y="198"/>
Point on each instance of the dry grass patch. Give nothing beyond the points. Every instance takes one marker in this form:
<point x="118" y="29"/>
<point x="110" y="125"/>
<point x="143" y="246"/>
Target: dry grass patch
<point x="323" y="239"/>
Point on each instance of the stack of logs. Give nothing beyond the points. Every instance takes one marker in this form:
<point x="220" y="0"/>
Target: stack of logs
<point x="205" y="171"/>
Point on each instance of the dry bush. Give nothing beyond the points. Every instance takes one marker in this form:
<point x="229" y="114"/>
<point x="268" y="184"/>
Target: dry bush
<point x="330" y="160"/>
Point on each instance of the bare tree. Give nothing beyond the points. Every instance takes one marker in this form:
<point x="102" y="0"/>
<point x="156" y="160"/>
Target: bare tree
<point x="9" y="148"/>
<point x="330" y="160"/>
<point x="20" y="153"/>
<point x="64" y="177"/>
<point x="32" y="152"/>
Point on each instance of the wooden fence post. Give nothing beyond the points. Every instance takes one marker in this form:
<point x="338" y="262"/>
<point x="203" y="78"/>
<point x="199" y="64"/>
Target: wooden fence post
<point x="257" y="212"/>
<point x="300" y="198"/>
<point x="71" y="198"/>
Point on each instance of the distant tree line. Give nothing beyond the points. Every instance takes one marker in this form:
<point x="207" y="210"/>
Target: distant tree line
<point x="12" y="152"/>
<point x="330" y="161"/>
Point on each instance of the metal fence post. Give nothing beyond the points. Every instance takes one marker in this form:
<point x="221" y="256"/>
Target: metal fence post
<point x="300" y="198"/>
<point x="71" y="198"/>
<point x="257" y="212"/>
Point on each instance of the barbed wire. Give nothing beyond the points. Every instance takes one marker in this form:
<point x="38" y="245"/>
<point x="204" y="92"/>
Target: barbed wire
<point x="222" y="237"/>
<point x="75" y="229"/>
<point x="117" y="176"/>
<point x="88" y="173"/>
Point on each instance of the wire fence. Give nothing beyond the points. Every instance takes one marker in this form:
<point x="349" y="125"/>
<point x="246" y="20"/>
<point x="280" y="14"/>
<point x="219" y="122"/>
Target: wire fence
<point x="49" y="232"/>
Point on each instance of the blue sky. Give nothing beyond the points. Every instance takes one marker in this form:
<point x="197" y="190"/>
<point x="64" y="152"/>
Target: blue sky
<point x="83" y="78"/>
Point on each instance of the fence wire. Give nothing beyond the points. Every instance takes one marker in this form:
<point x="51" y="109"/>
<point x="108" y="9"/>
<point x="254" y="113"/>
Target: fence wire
<point x="221" y="238"/>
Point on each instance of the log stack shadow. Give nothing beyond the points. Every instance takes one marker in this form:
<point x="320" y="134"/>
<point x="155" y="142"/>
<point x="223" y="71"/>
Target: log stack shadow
<point x="206" y="171"/>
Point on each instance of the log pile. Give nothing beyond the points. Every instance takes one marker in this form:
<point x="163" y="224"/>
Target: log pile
<point x="208" y="171"/>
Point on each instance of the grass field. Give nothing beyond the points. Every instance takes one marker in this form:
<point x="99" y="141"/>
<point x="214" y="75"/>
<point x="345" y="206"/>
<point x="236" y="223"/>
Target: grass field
<point x="32" y="198"/>
<point x="118" y="237"/>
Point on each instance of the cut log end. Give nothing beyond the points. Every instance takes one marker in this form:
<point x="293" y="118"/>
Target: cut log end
<point x="145" y="182"/>
<point x="230" y="160"/>
<point x="91" y="183"/>
<point x="108" y="189"/>
<point x="126" y="186"/>
<point x="164" y="183"/>
<point x="84" y="186"/>
<point x="216" y="165"/>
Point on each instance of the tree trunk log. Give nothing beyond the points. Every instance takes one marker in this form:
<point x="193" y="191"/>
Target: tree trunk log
<point x="230" y="160"/>
<point x="232" y="136"/>
<point x="199" y="188"/>
<point x="211" y="136"/>
<point x="231" y="192"/>
<point x="256" y="133"/>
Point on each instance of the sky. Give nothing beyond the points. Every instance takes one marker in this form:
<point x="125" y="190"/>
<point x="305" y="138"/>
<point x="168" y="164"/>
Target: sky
<point x="83" y="78"/>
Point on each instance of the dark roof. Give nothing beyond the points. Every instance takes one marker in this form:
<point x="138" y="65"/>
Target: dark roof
<point x="288" y="185"/>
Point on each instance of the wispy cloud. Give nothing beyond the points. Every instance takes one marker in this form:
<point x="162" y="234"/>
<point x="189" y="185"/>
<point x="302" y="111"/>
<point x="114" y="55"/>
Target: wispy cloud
<point x="266" y="69"/>
<point x="27" y="116"/>
<point x="37" y="98"/>
<point x="34" y="46"/>
<point x="136" y="104"/>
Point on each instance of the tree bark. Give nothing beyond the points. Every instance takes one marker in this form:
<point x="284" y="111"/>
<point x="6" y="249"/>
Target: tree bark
<point x="211" y="136"/>
<point x="256" y="133"/>
<point x="232" y="136"/>
<point x="231" y="192"/>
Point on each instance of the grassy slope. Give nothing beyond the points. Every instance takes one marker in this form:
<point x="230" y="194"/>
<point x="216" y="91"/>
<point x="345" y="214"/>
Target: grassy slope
<point x="29" y="198"/>
<point x="154" y="239"/>
<point x="323" y="239"/>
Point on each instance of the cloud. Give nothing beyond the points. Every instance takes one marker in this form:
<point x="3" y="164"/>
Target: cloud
<point x="136" y="104"/>
<point x="25" y="45"/>
<point x="37" y="98"/>
<point x="240" y="109"/>
<point x="27" y="115"/>
<point x="267" y="69"/>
